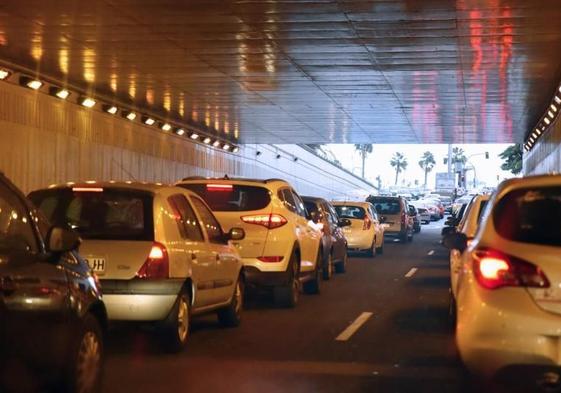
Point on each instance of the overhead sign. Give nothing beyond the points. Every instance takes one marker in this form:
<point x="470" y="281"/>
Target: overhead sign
<point x="445" y="181"/>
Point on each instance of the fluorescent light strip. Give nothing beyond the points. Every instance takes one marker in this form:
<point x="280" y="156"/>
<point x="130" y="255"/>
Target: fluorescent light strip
<point x="546" y="121"/>
<point x="87" y="102"/>
<point x="165" y="127"/>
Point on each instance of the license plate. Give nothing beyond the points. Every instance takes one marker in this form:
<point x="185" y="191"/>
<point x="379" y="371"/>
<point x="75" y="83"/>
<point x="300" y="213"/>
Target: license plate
<point x="96" y="264"/>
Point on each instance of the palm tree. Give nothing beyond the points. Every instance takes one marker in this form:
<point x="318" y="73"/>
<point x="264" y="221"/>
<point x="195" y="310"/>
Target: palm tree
<point x="458" y="155"/>
<point x="427" y="163"/>
<point x="399" y="162"/>
<point x="364" y="151"/>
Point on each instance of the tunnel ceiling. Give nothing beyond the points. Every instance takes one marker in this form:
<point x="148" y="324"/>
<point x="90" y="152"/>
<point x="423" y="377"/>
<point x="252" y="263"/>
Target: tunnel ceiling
<point x="321" y="71"/>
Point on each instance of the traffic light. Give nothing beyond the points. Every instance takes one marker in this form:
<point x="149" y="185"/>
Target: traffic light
<point x="487" y="155"/>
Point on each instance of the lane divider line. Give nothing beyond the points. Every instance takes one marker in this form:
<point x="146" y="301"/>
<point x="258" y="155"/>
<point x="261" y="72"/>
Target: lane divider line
<point x="353" y="327"/>
<point x="411" y="272"/>
<point x="431" y="252"/>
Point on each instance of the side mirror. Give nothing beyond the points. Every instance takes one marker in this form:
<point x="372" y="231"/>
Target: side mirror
<point x="344" y="222"/>
<point x="62" y="240"/>
<point x="235" y="234"/>
<point x="455" y="241"/>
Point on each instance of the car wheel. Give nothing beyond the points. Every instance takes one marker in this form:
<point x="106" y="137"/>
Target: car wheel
<point x="410" y="237"/>
<point x="341" y="267"/>
<point x="404" y="237"/>
<point x="175" y="330"/>
<point x="287" y="295"/>
<point x="327" y="271"/>
<point x="372" y="250"/>
<point x="86" y="369"/>
<point x="231" y="315"/>
<point x="312" y="287"/>
<point x="380" y="250"/>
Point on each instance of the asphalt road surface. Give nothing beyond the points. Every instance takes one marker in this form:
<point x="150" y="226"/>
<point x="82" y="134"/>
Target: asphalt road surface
<point x="380" y="327"/>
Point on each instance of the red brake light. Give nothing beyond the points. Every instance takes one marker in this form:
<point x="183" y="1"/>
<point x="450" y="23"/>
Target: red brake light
<point x="403" y="218"/>
<point x="493" y="270"/>
<point x="270" y="258"/>
<point x="270" y="221"/>
<point x="157" y="263"/>
<point x="219" y="187"/>
<point x="367" y="224"/>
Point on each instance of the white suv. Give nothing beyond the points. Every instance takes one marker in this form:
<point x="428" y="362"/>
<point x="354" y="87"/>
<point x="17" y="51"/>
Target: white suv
<point x="281" y="248"/>
<point x="159" y="252"/>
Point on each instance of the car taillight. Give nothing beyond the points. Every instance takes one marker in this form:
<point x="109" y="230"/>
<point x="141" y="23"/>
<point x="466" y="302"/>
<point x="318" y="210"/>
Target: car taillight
<point x="367" y="224"/>
<point x="270" y="259"/>
<point x="494" y="269"/>
<point x="157" y="263"/>
<point x="270" y="221"/>
<point x="403" y="218"/>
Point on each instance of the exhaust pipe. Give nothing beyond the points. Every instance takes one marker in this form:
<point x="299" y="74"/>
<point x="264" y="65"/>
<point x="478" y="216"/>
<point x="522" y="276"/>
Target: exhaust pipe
<point x="549" y="382"/>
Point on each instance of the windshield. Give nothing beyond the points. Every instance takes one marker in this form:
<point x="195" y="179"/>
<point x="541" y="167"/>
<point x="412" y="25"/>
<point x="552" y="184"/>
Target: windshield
<point x="386" y="205"/>
<point x="530" y="215"/>
<point x="353" y="212"/>
<point x="113" y="214"/>
<point x="231" y="197"/>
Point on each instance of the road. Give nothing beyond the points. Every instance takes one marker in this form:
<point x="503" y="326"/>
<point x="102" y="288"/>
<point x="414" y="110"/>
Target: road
<point x="406" y="344"/>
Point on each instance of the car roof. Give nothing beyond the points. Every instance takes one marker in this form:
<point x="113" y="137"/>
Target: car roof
<point x="313" y="199"/>
<point x="229" y="180"/>
<point x="143" y="186"/>
<point x="349" y="203"/>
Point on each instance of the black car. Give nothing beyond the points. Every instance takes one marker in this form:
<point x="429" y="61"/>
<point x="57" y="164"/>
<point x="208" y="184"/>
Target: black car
<point x="413" y="213"/>
<point x="52" y="316"/>
<point x="334" y="243"/>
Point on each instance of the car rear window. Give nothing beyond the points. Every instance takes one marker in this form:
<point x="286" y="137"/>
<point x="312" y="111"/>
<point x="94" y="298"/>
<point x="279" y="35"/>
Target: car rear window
<point x="530" y="215"/>
<point x="350" y="212"/>
<point x="231" y="197"/>
<point x="386" y="205"/>
<point x="482" y="207"/>
<point x="103" y="214"/>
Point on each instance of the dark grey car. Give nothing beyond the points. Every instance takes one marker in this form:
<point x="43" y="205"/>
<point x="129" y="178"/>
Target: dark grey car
<point x="333" y="242"/>
<point x="51" y="312"/>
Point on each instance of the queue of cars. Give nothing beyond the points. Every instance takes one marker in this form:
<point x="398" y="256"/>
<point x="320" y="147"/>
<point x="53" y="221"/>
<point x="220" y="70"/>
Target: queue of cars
<point x="76" y="257"/>
<point x="505" y="276"/>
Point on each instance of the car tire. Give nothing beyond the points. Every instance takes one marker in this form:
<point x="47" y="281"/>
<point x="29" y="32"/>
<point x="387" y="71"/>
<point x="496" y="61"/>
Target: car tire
<point x="287" y="295"/>
<point x="410" y="237"/>
<point x="327" y="270"/>
<point x="371" y="252"/>
<point x="86" y="365"/>
<point x="231" y="315"/>
<point x="341" y="267"/>
<point x="176" y="327"/>
<point x="452" y="312"/>
<point x="403" y="238"/>
<point x="380" y="250"/>
<point x="312" y="287"/>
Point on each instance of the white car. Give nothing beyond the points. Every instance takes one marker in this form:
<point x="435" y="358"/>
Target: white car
<point x="281" y="249"/>
<point x="468" y="226"/>
<point x="423" y="210"/>
<point x="366" y="233"/>
<point x="509" y="285"/>
<point x="159" y="252"/>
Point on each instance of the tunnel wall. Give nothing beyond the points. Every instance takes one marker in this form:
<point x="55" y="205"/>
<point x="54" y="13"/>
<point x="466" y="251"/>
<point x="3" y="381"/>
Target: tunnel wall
<point x="545" y="157"/>
<point x="44" y="140"/>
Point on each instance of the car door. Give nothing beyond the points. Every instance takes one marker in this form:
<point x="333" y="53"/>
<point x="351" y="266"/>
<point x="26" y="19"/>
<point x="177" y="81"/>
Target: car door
<point x="34" y="308"/>
<point x="226" y="264"/>
<point x="195" y="258"/>
<point x="310" y="238"/>
<point x="338" y="239"/>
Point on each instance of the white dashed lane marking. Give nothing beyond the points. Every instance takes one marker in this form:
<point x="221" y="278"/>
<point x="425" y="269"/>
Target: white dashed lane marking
<point x="411" y="272"/>
<point x="431" y="252"/>
<point x="353" y="327"/>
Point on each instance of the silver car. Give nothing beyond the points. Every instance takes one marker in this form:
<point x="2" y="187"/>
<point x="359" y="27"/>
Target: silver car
<point x="159" y="252"/>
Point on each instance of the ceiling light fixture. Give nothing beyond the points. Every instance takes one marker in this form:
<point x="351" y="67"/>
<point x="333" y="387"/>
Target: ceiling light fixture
<point x="235" y="149"/>
<point x="30" y="82"/>
<point x="165" y="126"/>
<point x="129" y="115"/>
<point x="216" y="143"/>
<point x="61" y="93"/>
<point x="180" y="131"/>
<point x="553" y="107"/>
<point x="207" y="140"/>
<point x="538" y="131"/>
<point x="111" y="109"/>
<point x="226" y="147"/>
<point x="148" y="120"/>
<point x="4" y="73"/>
<point x="194" y="136"/>
<point x="87" y="102"/>
<point x="557" y="99"/>
<point x="546" y="121"/>
<point x="550" y="114"/>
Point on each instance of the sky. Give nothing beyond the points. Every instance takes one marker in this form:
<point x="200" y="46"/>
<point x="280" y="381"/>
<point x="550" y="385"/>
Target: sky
<point x="378" y="163"/>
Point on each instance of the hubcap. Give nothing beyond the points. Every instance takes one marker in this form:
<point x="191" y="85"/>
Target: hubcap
<point x="89" y="358"/>
<point x="182" y="319"/>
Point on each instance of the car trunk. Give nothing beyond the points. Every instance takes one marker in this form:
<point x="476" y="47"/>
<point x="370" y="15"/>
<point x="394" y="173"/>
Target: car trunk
<point x="252" y="246"/>
<point x="115" y="259"/>
<point x="548" y="299"/>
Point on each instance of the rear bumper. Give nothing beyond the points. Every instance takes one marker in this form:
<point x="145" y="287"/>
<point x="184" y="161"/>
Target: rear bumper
<point x="256" y="277"/>
<point x="140" y="300"/>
